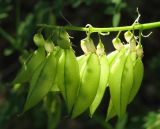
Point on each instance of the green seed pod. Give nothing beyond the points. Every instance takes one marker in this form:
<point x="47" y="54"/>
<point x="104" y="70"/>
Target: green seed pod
<point x="111" y="112"/>
<point x="72" y="78"/>
<point x="102" y="83"/>
<point x="90" y="75"/>
<point x="111" y="59"/>
<point x="137" y="79"/>
<point x="34" y="60"/>
<point x="112" y="56"/>
<point x="55" y="87"/>
<point x="104" y="75"/>
<point x="39" y="40"/>
<point x="138" y="76"/>
<point x="60" y="74"/>
<point x="126" y="84"/>
<point x="120" y="81"/>
<point x="68" y="73"/>
<point x="41" y="82"/>
<point x="82" y="59"/>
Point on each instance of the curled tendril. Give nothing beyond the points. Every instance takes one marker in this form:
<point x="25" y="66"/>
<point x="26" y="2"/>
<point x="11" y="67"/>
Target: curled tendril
<point x="142" y="35"/>
<point x="147" y="35"/>
<point x="89" y="26"/>
<point x="138" y="18"/>
<point x="104" y="34"/>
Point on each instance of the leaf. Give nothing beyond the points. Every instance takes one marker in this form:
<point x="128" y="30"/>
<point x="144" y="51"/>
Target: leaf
<point x="116" y="1"/>
<point x="25" y="25"/>
<point x="116" y="19"/>
<point x="8" y="51"/>
<point x="3" y="15"/>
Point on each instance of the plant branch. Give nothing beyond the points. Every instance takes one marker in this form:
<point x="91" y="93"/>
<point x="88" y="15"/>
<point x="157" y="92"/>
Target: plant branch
<point x="109" y="29"/>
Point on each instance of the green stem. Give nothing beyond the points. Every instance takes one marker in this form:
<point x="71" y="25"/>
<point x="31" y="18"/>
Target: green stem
<point x="109" y="29"/>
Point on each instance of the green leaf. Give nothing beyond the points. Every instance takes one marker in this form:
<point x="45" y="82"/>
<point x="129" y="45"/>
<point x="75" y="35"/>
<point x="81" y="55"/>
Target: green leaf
<point x="116" y="19"/>
<point x="116" y="1"/>
<point x="8" y="51"/>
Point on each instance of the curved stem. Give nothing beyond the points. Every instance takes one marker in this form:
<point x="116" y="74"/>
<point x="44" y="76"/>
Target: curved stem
<point x="109" y="29"/>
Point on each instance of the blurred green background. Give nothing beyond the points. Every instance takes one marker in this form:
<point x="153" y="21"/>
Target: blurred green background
<point x="18" y="20"/>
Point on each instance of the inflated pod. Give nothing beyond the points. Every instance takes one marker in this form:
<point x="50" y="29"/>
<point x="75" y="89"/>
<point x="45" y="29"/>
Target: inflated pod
<point x="138" y="71"/>
<point x="60" y="74"/>
<point x="110" y="111"/>
<point x="58" y="54"/>
<point x="68" y="76"/>
<point x="41" y="82"/>
<point x="104" y="75"/>
<point x="29" y="66"/>
<point x="138" y="76"/>
<point x="112" y="56"/>
<point x="111" y="59"/>
<point x="137" y="79"/>
<point x="89" y="75"/>
<point x="81" y="60"/>
<point x="120" y="82"/>
<point x="72" y="78"/>
<point x="126" y="84"/>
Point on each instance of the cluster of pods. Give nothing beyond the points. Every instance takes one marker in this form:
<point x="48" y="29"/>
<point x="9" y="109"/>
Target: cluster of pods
<point x="82" y="80"/>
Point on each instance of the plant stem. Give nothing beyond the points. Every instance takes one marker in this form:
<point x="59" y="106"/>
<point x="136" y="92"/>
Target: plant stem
<point x="109" y="29"/>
